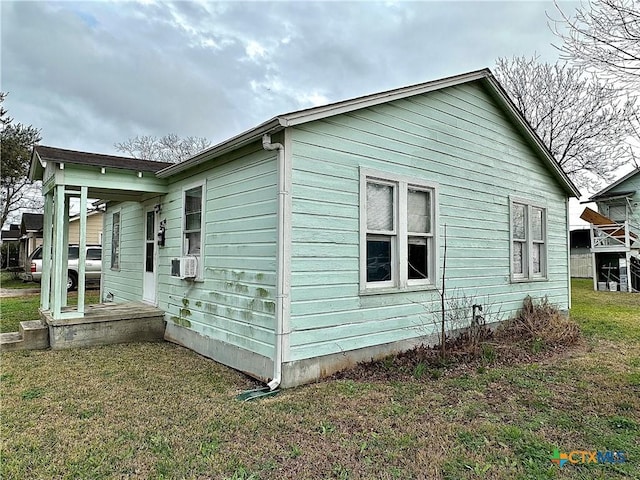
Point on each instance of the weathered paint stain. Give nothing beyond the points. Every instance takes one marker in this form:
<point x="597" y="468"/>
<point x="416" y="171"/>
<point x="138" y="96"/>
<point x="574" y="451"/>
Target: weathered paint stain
<point x="183" y="322"/>
<point x="237" y="275"/>
<point x="270" y="307"/>
<point x="262" y="292"/>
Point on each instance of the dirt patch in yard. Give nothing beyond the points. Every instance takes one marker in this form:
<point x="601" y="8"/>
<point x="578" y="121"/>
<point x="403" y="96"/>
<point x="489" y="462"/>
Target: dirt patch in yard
<point x="424" y="362"/>
<point x="538" y="334"/>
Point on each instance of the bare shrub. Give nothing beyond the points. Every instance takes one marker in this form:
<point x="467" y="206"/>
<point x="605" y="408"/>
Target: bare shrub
<point x="540" y="323"/>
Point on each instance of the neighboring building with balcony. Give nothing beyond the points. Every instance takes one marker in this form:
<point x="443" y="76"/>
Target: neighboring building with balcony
<point x="615" y="234"/>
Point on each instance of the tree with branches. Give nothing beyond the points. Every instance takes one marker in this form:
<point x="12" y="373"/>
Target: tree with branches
<point x="605" y="36"/>
<point x="169" y="148"/>
<point x="583" y="122"/>
<point x="16" y="190"/>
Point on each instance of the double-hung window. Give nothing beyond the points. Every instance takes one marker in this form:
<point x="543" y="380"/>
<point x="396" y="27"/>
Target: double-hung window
<point x="397" y="216"/>
<point x="192" y="226"/>
<point x="528" y="241"/>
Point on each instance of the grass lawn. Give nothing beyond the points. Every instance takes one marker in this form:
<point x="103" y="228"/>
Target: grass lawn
<point x="611" y="315"/>
<point x="160" y="411"/>
<point x="10" y="280"/>
<point x="14" y="310"/>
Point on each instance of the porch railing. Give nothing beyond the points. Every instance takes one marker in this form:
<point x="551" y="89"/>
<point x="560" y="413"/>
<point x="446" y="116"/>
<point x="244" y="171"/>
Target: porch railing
<point x="615" y="237"/>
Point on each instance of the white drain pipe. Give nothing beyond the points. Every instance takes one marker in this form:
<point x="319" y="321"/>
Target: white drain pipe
<point x="281" y="261"/>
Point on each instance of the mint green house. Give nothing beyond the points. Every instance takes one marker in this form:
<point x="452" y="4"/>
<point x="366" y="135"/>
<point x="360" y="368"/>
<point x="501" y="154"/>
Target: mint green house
<point x="316" y="239"/>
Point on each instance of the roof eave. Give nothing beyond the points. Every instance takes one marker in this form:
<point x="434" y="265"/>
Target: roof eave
<point x="542" y="149"/>
<point x="244" y="138"/>
<point x="599" y="194"/>
<point x="345" y="106"/>
<point x="37" y="166"/>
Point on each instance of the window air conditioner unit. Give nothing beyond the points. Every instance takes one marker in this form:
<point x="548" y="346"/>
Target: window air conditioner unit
<point x="184" y="267"/>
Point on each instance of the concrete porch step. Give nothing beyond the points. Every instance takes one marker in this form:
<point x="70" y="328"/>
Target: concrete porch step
<point x="33" y="335"/>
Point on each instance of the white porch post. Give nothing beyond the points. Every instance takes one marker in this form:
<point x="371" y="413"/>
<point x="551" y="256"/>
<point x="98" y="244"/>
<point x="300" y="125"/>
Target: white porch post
<point x="47" y="238"/>
<point x="65" y="250"/>
<point x="82" y="254"/>
<point x="57" y="272"/>
<point x="593" y="258"/>
<point x="629" y="283"/>
<point x="595" y="272"/>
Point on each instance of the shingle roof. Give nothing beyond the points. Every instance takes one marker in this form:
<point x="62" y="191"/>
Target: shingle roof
<point x="32" y="222"/>
<point x="61" y="155"/>
<point x="11" y="234"/>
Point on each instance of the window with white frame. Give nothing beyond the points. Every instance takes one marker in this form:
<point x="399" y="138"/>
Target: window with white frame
<point x="192" y="226"/>
<point x="528" y="241"/>
<point x="115" y="241"/>
<point x="397" y="232"/>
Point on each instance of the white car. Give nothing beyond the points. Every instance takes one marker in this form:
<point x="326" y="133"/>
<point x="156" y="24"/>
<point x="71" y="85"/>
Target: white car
<point x="93" y="266"/>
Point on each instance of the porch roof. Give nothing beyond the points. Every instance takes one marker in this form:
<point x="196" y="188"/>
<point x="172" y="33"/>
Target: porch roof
<point x="51" y="154"/>
<point x="107" y="177"/>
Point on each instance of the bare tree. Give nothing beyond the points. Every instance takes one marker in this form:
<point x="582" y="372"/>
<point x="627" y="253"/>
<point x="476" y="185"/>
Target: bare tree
<point x="17" y="192"/>
<point x="604" y="35"/>
<point x="170" y="148"/>
<point x="584" y="122"/>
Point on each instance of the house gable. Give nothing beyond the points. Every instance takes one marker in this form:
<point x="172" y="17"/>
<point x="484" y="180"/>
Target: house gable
<point x="459" y="138"/>
<point x="621" y="200"/>
<point x="484" y="77"/>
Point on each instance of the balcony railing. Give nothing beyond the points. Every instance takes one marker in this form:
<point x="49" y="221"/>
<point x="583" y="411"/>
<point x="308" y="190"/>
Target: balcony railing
<point x="614" y="237"/>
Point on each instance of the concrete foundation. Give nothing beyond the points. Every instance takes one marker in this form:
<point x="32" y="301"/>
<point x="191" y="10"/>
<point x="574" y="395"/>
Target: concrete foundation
<point x="251" y="363"/>
<point x="107" y="324"/>
<point x="309" y="370"/>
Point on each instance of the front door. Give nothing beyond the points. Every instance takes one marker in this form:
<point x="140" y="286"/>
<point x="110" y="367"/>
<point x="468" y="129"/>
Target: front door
<point x="149" y="281"/>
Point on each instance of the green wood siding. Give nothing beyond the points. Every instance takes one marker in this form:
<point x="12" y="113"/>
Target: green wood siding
<point x="235" y="301"/>
<point x="457" y="137"/>
<point x="631" y="184"/>
<point x="124" y="283"/>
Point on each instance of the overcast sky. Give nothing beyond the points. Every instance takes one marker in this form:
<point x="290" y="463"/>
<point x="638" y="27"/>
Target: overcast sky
<point x="90" y="74"/>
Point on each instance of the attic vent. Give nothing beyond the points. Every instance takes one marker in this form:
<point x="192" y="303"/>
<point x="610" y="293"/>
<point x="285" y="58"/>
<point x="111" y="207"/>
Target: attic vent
<point x="184" y="267"/>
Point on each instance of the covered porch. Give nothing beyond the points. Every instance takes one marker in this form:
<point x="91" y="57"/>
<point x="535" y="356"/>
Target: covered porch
<point x="615" y="250"/>
<point x="68" y="176"/>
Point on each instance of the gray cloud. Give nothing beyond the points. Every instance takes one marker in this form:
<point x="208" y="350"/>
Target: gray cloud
<point x="94" y="73"/>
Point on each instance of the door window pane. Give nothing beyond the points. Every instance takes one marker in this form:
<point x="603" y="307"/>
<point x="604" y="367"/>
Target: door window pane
<point x="115" y="241"/>
<point x="378" y="260"/>
<point x="418" y="258"/>
<point x="150" y="225"/>
<point x="379" y="207"/>
<point x="419" y="211"/>
<point x="149" y="257"/>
